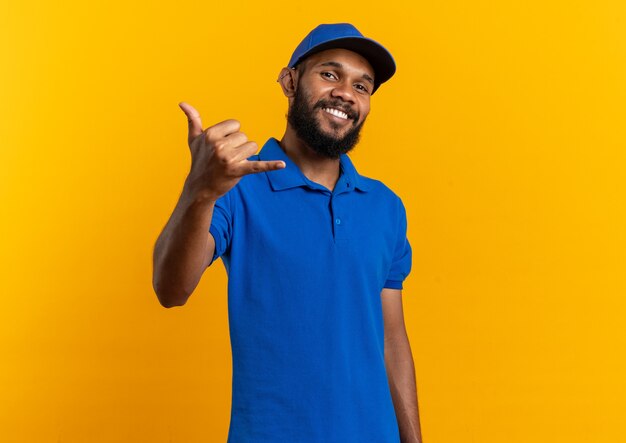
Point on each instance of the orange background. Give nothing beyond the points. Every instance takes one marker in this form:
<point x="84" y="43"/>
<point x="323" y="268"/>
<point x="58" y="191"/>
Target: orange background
<point x="503" y="132"/>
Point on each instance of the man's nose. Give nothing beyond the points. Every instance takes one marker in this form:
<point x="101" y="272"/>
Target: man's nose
<point x="345" y="91"/>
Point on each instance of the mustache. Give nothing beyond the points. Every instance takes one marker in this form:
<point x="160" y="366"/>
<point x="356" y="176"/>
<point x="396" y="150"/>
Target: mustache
<point x="338" y="105"/>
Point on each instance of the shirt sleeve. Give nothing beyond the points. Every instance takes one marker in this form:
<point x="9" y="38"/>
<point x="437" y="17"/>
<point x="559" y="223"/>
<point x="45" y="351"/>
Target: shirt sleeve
<point x="221" y="225"/>
<point x="402" y="257"/>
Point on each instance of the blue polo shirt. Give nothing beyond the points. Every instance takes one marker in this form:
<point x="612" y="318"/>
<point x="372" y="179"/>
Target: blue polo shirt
<point x="306" y="267"/>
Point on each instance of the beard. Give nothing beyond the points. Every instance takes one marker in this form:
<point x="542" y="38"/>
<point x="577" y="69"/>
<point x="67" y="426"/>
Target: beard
<point x="302" y="119"/>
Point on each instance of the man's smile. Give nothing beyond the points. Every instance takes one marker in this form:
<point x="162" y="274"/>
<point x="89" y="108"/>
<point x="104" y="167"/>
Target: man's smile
<point x="336" y="113"/>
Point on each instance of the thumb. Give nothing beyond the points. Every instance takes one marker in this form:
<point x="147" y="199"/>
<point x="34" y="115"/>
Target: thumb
<point x="193" y="119"/>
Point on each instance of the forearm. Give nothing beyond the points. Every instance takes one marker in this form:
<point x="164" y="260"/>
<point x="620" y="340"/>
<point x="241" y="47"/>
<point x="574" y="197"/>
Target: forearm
<point x="401" y="376"/>
<point x="183" y="249"/>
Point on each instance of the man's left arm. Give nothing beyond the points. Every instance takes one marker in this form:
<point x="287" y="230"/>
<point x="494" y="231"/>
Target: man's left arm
<point x="400" y="367"/>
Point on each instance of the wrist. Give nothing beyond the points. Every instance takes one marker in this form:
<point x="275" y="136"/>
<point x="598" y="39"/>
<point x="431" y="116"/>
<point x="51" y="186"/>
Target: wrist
<point x="195" y="195"/>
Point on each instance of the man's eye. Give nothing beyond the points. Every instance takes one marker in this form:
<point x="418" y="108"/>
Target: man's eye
<point x="361" y="88"/>
<point x="328" y="74"/>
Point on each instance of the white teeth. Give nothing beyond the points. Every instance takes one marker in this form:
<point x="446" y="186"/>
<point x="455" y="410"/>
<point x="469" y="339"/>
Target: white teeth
<point x="337" y="113"/>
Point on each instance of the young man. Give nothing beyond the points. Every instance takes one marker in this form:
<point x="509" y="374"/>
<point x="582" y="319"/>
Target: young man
<point x="315" y="253"/>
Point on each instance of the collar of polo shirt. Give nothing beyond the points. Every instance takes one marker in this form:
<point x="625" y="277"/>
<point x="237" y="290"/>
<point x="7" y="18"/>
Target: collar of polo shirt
<point x="291" y="176"/>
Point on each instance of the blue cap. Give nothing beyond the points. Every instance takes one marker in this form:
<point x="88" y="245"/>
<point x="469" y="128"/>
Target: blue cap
<point x="346" y="36"/>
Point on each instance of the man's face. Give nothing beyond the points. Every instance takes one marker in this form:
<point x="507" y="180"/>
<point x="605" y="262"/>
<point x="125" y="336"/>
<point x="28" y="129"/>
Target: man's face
<point x="331" y="101"/>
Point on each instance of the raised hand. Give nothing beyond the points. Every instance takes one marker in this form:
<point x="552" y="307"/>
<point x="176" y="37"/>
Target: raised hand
<point x="219" y="156"/>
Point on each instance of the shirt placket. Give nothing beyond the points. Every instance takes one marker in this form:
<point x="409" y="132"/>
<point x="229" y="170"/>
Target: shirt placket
<point x="339" y="215"/>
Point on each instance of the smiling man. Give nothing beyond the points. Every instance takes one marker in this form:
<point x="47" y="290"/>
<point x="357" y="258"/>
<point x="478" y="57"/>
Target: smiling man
<point x="316" y="256"/>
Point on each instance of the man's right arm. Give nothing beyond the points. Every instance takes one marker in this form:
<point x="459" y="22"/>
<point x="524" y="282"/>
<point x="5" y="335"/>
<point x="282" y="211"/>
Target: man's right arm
<point x="183" y="250"/>
<point x="185" y="247"/>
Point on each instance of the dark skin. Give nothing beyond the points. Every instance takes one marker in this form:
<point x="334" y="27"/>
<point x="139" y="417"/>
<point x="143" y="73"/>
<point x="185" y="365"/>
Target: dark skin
<point x="219" y="160"/>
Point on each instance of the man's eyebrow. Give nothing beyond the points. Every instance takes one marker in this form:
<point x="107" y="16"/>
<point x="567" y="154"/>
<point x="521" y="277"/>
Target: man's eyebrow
<point x="335" y="64"/>
<point x="339" y="66"/>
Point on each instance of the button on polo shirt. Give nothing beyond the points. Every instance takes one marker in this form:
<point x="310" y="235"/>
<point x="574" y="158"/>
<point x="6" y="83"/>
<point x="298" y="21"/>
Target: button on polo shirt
<point x="306" y="267"/>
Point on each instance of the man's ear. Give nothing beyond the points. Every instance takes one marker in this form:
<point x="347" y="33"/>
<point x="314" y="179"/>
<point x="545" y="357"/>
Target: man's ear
<point x="288" y="79"/>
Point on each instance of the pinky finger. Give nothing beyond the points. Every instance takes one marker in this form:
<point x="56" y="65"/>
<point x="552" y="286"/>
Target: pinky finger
<point x="253" y="167"/>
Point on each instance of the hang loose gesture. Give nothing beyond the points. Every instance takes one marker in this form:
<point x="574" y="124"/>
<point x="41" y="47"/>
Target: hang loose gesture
<point x="185" y="247"/>
<point x="219" y="156"/>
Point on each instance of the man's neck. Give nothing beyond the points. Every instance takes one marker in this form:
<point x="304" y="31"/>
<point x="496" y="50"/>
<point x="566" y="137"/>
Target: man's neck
<point x="315" y="167"/>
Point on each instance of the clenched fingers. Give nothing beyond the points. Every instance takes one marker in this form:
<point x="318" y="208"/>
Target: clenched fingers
<point x="222" y="129"/>
<point x="231" y="142"/>
<point x="244" y="151"/>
